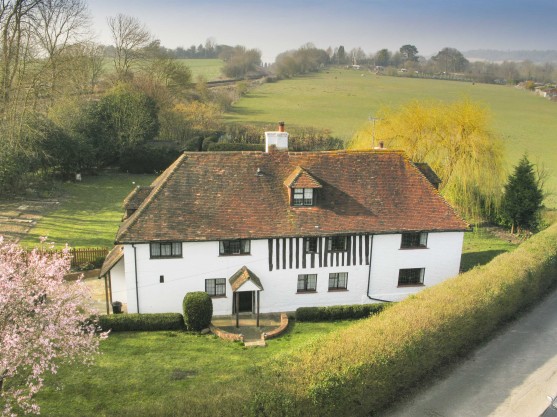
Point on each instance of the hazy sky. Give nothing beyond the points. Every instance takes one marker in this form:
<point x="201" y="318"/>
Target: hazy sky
<point x="274" y="27"/>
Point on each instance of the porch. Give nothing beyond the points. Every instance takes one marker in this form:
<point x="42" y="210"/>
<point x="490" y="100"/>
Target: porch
<point x="270" y="325"/>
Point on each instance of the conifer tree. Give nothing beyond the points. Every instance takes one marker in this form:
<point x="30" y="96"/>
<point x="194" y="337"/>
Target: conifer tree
<point x="523" y="198"/>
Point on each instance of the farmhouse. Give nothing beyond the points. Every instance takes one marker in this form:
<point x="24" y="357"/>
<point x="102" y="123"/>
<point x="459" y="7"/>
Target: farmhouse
<point x="277" y="230"/>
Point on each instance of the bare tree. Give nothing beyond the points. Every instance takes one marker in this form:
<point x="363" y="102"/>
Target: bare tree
<point x="59" y="25"/>
<point x="130" y="37"/>
<point x="15" y="20"/>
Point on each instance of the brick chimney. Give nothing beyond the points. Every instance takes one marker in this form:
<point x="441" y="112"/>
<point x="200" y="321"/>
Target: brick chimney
<point x="277" y="140"/>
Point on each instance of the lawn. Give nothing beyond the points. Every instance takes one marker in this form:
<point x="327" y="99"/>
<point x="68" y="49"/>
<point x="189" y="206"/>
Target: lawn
<point x="343" y="100"/>
<point x="481" y="246"/>
<point x="157" y="373"/>
<point x="89" y="212"/>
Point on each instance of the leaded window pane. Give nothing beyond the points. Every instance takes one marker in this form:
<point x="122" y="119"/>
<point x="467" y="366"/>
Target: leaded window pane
<point x="308" y="197"/>
<point x="298" y="196"/>
<point x="155" y="250"/>
<point x="177" y="248"/>
<point x="338" y="280"/>
<point x="166" y="249"/>
<point x="411" y="276"/>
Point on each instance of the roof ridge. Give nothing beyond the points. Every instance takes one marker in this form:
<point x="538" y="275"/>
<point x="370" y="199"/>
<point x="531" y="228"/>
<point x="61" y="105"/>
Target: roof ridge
<point x="164" y="177"/>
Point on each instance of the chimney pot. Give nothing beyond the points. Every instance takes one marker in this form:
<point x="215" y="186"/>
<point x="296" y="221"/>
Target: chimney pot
<point x="281" y="127"/>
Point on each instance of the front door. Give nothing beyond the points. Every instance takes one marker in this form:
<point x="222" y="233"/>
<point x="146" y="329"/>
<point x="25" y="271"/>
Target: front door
<point x="245" y="302"/>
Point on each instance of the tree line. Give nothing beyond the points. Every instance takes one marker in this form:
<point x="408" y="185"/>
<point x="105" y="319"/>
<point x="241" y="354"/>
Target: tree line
<point x="445" y="63"/>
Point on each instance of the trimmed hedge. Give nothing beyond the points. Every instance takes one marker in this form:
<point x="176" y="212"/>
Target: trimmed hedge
<point x="198" y="310"/>
<point x="142" y="322"/>
<point x="342" y="312"/>
<point x="235" y="147"/>
<point x="363" y="368"/>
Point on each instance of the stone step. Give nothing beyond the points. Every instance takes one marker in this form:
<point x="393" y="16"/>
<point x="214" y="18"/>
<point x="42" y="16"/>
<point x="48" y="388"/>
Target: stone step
<point x="255" y="343"/>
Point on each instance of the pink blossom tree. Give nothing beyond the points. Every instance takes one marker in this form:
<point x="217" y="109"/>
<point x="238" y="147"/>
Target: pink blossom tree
<point x="44" y="321"/>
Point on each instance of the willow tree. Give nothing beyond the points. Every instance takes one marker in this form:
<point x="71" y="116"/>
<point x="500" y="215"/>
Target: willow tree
<point x="455" y="139"/>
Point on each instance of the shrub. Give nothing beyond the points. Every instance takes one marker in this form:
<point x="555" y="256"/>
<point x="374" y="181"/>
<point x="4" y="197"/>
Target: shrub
<point x="147" y="159"/>
<point x="142" y="322"/>
<point x="343" y="312"/>
<point x="198" y="310"/>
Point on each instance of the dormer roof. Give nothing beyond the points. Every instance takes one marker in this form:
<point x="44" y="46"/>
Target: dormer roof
<point x="300" y="178"/>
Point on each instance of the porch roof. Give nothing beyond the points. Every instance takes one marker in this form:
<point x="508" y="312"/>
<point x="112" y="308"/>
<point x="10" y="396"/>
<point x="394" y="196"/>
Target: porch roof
<point x="242" y="276"/>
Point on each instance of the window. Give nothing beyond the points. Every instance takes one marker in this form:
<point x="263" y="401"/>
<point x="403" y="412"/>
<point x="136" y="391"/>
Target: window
<point x="166" y="249"/>
<point x="336" y="243"/>
<point x="413" y="240"/>
<point x="338" y="280"/>
<point x="216" y="287"/>
<point x="302" y="197"/>
<point x="412" y="276"/>
<point x="311" y="244"/>
<point x="234" y="247"/>
<point x="307" y="282"/>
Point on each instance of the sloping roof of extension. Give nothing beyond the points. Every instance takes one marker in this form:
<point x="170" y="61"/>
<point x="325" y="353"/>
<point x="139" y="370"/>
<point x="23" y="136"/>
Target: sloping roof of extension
<point x="229" y="195"/>
<point x="115" y="254"/>
<point x="136" y="197"/>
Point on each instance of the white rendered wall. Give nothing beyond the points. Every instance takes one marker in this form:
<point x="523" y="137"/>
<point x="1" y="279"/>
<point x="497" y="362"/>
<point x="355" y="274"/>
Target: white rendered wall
<point x="441" y="260"/>
<point x="201" y="261"/>
<point x="118" y="282"/>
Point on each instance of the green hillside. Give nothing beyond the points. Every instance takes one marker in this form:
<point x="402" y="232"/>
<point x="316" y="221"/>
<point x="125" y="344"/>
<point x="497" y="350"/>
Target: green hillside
<point x="343" y="100"/>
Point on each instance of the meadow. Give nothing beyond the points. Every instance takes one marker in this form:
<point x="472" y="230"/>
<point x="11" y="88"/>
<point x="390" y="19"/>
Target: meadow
<point x="210" y="69"/>
<point x="343" y="101"/>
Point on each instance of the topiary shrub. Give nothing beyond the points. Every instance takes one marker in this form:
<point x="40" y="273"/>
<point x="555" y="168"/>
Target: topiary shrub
<point x="198" y="310"/>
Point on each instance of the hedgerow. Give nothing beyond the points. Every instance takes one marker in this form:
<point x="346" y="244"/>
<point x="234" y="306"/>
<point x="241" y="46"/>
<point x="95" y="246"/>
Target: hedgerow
<point x="142" y="322"/>
<point x="361" y="369"/>
<point x="342" y="312"/>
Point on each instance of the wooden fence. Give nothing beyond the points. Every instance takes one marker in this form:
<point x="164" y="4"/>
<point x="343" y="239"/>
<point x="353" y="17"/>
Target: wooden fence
<point x="83" y="256"/>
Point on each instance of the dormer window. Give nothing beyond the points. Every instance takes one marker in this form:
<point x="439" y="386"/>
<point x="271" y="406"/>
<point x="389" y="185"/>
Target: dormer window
<point x="303" y="188"/>
<point x="302" y="197"/>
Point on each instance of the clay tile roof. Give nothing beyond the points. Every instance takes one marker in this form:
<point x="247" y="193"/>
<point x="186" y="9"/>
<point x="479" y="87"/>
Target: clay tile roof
<point x="116" y="253"/>
<point x="218" y="195"/>
<point x="300" y="178"/>
<point x="136" y="197"/>
<point x="242" y="276"/>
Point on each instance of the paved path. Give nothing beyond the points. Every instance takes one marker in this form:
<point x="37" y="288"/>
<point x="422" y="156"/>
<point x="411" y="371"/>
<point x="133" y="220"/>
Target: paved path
<point x="508" y="377"/>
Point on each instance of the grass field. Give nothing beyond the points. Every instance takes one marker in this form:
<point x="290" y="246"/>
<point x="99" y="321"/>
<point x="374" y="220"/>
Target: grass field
<point x="343" y="100"/>
<point x="209" y="68"/>
<point x="89" y="212"/>
<point x="141" y="371"/>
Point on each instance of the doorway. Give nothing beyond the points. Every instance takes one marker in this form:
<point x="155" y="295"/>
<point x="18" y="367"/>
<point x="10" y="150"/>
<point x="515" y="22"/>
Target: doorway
<point x="245" y="302"/>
